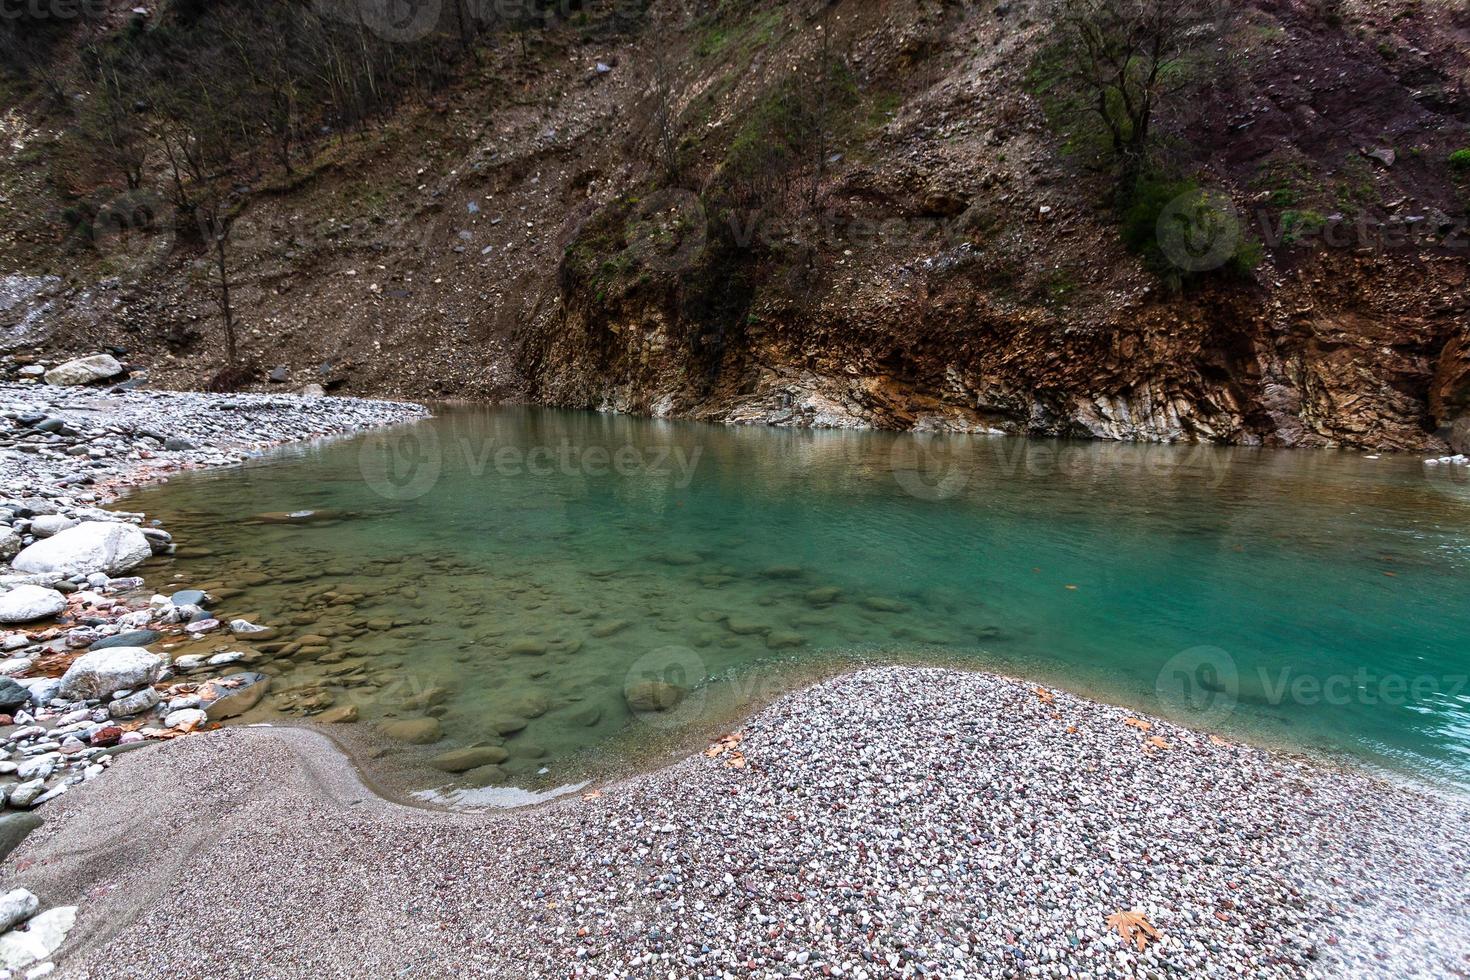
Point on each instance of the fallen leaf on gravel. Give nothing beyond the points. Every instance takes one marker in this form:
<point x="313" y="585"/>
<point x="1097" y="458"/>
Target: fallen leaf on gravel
<point x="1158" y="743"/>
<point x="1137" y="723"/>
<point x="1071" y="729"/>
<point x="1217" y="740"/>
<point x="736" y="760"/>
<point x="592" y="794"/>
<point x="1046" y="696"/>
<point x="1133" y="927"/>
<point x="727" y="743"/>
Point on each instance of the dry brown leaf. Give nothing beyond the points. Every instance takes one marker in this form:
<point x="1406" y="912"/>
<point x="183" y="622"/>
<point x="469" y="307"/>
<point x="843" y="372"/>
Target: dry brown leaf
<point x="1158" y="743"/>
<point x="1217" y="740"/>
<point x="594" y="794"/>
<point x="736" y="760"/>
<point x="1046" y="696"/>
<point x="1071" y="729"/>
<point x="1137" y="723"/>
<point x="1133" y="927"/>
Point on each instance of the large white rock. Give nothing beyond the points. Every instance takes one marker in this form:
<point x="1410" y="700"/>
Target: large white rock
<point x="84" y="370"/>
<point x="100" y="672"/>
<point x="41" y="937"/>
<point x="94" y="546"/>
<point x="9" y="543"/>
<point x="25" y="603"/>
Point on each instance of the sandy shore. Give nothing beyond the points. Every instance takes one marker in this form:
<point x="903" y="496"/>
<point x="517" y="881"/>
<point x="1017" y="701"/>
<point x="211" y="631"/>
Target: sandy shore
<point x="897" y="821"/>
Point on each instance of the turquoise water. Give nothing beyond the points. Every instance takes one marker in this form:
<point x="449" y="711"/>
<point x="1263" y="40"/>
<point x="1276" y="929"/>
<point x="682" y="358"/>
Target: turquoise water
<point x="511" y="573"/>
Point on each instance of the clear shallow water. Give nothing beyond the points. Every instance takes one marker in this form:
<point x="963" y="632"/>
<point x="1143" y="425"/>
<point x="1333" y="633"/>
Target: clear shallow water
<point x="512" y="572"/>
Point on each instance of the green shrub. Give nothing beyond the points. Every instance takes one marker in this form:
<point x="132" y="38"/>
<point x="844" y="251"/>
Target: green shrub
<point x="1296" y="225"/>
<point x="1202" y="224"/>
<point x="1460" y="161"/>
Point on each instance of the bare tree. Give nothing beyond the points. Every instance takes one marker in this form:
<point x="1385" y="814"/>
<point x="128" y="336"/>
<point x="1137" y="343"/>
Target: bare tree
<point x="665" y="117"/>
<point x="1122" y="58"/>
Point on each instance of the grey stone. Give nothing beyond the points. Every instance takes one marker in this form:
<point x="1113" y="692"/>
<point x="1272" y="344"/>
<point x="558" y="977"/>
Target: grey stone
<point x="98" y="673"/>
<point x="27" y="603"/>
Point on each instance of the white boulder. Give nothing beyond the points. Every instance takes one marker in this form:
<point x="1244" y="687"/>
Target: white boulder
<point x="100" y="672"/>
<point x="26" y="603"/>
<point x="94" y="546"/>
<point x="9" y="543"/>
<point x="84" y="370"/>
<point x="16" y="906"/>
<point x="41" y="937"/>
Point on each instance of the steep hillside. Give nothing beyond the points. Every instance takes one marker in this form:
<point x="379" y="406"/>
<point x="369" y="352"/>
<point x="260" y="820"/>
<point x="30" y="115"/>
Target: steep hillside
<point x="641" y="214"/>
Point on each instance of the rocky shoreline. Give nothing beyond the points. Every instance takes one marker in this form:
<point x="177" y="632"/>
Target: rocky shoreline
<point x="893" y="822"/>
<point x="94" y="662"/>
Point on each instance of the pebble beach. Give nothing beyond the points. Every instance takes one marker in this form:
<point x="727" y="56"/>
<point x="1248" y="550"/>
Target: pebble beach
<point x="894" y="822"/>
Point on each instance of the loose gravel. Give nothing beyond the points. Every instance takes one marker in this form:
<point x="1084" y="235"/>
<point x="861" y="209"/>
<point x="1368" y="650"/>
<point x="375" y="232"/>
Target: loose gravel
<point x="90" y="441"/>
<point x="894" y="822"/>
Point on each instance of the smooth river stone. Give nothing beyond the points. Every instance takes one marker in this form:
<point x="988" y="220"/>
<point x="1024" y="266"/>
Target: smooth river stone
<point x="527" y="646"/>
<point x="341" y="715"/>
<point x="653" y="695"/>
<point x="883" y="604"/>
<point x="486" y="776"/>
<point x="603" y="630"/>
<point x="745" y="627"/>
<point x="462" y="760"/>
<point x="418" y="731"/>
<point x="823" y="595"/>
<point x="783" y="571"/>
<point x="132" y="638"/>
<point x="784" y="640"/>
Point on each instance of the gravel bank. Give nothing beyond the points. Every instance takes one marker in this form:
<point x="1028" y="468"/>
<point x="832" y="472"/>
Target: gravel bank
<point x="91" y="442"/>
<point x="892" y="822"/>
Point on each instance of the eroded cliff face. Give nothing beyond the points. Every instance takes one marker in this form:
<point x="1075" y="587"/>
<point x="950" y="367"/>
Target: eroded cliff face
<point x="1235" y="367"/>
<point x="950" y="264"/>
<point x="989" y="291"/>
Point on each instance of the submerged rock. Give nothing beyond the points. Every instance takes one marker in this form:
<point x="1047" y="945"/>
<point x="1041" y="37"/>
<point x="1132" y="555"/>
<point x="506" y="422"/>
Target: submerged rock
<point x="418" y="731"/>
<point x="341" y="715"/>
<point x="653" y="695"/>
<point x="823" y="595"/>
<point x="784" y="640"/>
<point x="232" y="695"/>
<point x="462" y="760"/>
<point x="131" y="638"/>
